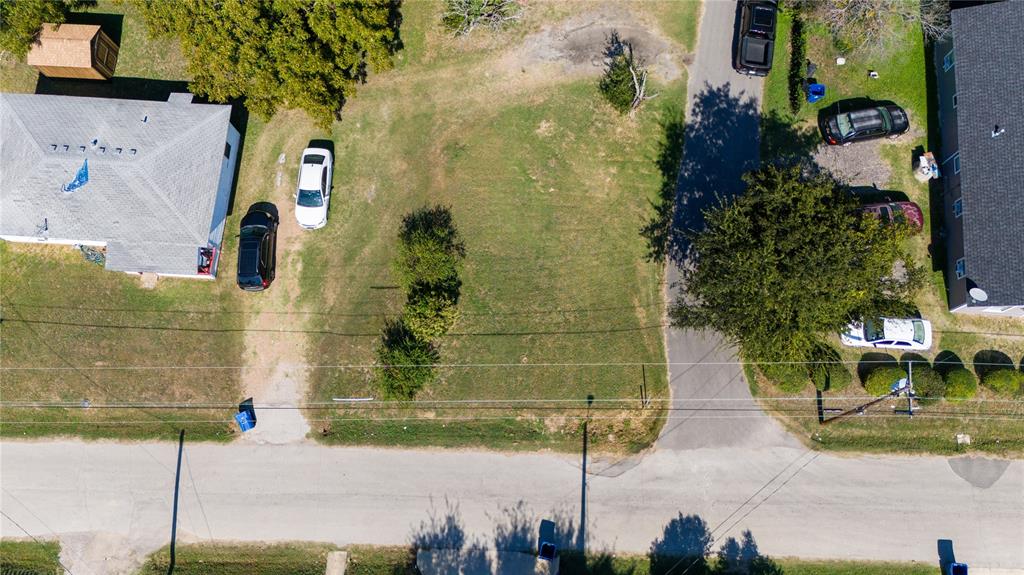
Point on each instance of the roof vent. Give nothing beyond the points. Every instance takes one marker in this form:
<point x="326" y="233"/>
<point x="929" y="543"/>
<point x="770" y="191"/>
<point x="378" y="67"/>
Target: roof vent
<point x="53" y="147"/>
<point x="66" y="147"/>
<point x="81" y="149"/>
<point x="132" y="151"/>
<point x="145" y="119"/>
<point x="117" y="151"/>
<point x="997" y="131"/>
<point x="95" y="142"/>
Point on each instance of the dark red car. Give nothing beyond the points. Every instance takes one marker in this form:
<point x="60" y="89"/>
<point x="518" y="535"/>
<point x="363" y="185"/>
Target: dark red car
<point x="889" y="212"/>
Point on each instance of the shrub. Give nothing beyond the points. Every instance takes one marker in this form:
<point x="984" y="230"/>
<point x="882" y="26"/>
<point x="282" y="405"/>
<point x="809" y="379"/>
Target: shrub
<point x="429" y="314"/>
<point x="617" y="83"/>
<point x="838" y="377"/>
<point x="788" y="377"/>
<point x="880" y="380"/>
<point x="797" y="56"/>
<point x="1005" y="381"/>
<point x="928" y="385"/>
<point x="430" y="250"/>
<point x="961" y="383"/>
<point x="404" y="362"/>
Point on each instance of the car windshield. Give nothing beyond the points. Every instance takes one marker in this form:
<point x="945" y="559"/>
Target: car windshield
<point x="919" y="332"/>
<point x="845" y="125"/>
<point x="763" y="18"/>
<point x="310" y="198"/>
<point x="252" y="232"/>
<point x="874" y="329"/>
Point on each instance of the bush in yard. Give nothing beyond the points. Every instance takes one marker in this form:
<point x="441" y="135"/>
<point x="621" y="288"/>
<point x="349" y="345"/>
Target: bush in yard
<point x="463" y="16"/>
<point x="430" y="313"/>
<point x="788" y="377"/>
<point x="404" y="362"/>
<point x="797" y="57"/>
<point x="430" y="250"/>
<point x="1004" y="381"/>
<point x="961" y="383"/>
<point x="838" y="377"/>
<point x="624" y="83"/>
<point x="928" y="384"/>
<point x="881" y="379"/>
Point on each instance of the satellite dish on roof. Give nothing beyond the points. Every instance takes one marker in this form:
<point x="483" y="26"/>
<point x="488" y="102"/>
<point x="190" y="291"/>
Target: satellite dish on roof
<point x="978" y="294"/>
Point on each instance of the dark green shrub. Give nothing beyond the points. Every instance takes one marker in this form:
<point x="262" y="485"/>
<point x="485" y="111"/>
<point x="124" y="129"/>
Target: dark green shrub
<point x="838" y="377"/>
<point x="797" y="56"/>
<point x="405" y="363"/>
<point x="928" y="385"/>
<point x="880" y="379"/>
<point x="429" y="314"/>
<point x="788" y="377"/>
<point x="430" y="250"/>
<point x="961" y="383"/>
<point x="1004" y="381"/>
<point x="617" y="83"/>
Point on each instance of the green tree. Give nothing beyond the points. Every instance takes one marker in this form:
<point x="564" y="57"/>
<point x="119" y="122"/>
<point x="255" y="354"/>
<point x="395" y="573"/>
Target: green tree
<point x="789" y="262"/>
<point x="961" y="384"/>
<point x="831" y="377"/>
<point x="405" y="363"/>
<point x="1004" y="381"/>
<point x="881" y="379"/>
<point x="788" y="377"/>
<point x="21" y="21"/>
<point x="624" y="83"/>
<point x="279" y="53"/>
<point x="429" y="313"/>
<point x="430" y="250"/>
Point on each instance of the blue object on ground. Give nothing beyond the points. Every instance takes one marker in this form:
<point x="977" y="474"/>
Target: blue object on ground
<point x="547" y="551"/>
<point x="958" y="569"/>
<point x="244" y="423"/>
<point x="815" y="92"/>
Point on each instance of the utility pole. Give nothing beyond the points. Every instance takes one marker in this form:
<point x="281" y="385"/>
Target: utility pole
<point x="174" y="513"/>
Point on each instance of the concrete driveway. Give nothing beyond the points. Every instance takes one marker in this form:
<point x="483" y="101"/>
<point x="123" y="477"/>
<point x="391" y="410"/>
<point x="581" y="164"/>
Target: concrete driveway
<point x="722" y="140"/>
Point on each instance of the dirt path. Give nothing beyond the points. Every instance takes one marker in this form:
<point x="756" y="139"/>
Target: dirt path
<point x="275" y="345"/>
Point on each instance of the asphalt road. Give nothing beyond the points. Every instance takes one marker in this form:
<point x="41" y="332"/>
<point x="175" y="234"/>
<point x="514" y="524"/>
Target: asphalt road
<point x="107" y="502"/>
<point x="722" y="132"/>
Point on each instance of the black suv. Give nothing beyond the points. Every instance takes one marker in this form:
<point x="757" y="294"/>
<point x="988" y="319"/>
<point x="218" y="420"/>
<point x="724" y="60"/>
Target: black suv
<point x="257" y="247"/>
<point x="755" y="41"/>
<point x="863" y="123"/>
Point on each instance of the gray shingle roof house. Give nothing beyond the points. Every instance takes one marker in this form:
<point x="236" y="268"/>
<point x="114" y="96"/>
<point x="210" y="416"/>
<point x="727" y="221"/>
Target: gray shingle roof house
<point x="150" y="181"/>
<point x="981" y="115"/>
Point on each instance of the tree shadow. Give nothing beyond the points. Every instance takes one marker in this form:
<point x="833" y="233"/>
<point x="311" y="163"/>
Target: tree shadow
<point x="744" y="558"/>
<point x="721" y="143"/>
<point x="783" y="142"/>
<point x="988" y="360"/>
<point x="871" y="361"/>
<point x="946" y="361"/>
<point x="449" y="551"/>
<point x="658" y="229"/>
<point x="874" y="195"/>
<point x="914" y="357"/>
<point x="684" y="544"/>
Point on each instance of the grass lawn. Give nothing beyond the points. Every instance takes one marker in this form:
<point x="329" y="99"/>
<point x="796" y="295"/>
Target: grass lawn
<point x="396" y="561"/>
<point x="30" y="557"/>
<point x="993" y="423"/>
<point x="242" y="559"/>
<point x="549" y="188"/>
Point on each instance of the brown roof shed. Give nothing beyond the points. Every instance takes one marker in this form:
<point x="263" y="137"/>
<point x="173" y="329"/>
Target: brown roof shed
<point x="74" y="51"/>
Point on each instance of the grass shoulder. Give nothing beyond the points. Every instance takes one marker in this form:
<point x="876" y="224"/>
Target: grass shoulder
<point x="30" y="557"/>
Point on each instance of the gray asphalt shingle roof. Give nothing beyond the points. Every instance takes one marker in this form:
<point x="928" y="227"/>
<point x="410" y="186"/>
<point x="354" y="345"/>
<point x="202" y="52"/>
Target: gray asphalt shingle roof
<point x="989" y="59"/>
<point x="154" y="169"/>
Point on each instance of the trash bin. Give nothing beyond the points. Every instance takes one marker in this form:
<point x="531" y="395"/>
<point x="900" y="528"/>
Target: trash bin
<point x="815" y="92"/>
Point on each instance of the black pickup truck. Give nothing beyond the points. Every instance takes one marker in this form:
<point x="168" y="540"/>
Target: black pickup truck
<point x="755" y="39"/>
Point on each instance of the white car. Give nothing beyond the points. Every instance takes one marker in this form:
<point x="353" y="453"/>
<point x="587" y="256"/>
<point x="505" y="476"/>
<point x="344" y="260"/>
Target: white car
<point x="314" y="188"/>
<point x="888" y="332"/>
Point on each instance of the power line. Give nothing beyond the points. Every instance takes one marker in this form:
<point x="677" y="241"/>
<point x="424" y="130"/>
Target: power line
<point x="482" y="365"/>
<point x="25" y="531"/>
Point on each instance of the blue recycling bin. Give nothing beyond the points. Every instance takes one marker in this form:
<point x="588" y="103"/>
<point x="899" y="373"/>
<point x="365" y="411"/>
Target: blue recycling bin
<point x="244" y="422"/>
<point x="815" y="92"/>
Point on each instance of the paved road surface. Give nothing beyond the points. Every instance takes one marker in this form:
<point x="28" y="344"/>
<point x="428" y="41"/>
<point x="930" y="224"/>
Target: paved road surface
<point x="721" y="142"/>
<point x="105" y="499"/>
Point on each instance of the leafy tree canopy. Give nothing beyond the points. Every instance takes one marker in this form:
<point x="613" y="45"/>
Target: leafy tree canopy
<point x="279" y="53"/>
<point x="430" y="249"/>
<point x="405" y="363"/>
<point x="789" y="262"/>
<point x="21" y="21"/>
